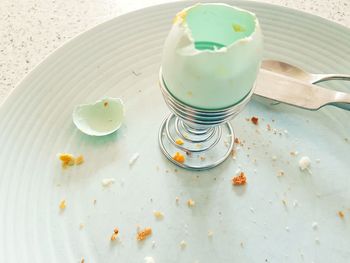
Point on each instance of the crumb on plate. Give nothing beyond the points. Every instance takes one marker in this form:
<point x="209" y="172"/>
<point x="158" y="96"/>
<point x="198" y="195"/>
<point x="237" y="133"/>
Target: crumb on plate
<point x="133" y="158"/>
<point x="191" y="203"/>
<point x="183" y="244"/>
<point x="179" y="157"/>
<point x="158" y="214"/>
<point x="115" y="234"/>
<point x="107" y="182"/>
<point x="280" y="173"/>
<point x="79" y="160"/>
<point x="179" y="142"/>
<point x="143" y="234"/>
<point x="240" y="179"/>
<point x="210" y="233"/>
<point x="341" y="214"/>
<point x="67" y="159"/>
<point x="304" y="163"/>
<point x="63" y="204"/>
<point x="294" y="153"/>
<point x="255" y="120"/>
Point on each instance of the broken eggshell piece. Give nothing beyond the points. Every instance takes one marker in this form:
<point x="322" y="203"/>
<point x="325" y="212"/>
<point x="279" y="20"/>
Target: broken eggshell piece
<point x="212" y="55"/>
<point x="101" y="118"/>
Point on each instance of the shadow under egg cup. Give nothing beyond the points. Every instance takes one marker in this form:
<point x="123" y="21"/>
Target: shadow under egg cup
<point x="205" y="137"/>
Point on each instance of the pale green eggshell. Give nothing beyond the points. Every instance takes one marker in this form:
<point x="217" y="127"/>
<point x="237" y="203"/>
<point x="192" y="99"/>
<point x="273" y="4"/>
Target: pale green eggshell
<point x="101" y="118"/>
<point x="206" y="63"/>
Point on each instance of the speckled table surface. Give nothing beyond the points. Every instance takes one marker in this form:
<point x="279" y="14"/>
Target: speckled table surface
<point x="32" y="29"/>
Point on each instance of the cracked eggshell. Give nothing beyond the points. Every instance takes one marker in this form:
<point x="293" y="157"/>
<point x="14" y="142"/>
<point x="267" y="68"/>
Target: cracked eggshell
<point x="217" y="78"/>
<point x="101" y="118"/>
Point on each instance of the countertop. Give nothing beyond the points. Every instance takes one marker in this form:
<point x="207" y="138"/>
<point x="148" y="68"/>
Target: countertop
<point x="32" y="29"/>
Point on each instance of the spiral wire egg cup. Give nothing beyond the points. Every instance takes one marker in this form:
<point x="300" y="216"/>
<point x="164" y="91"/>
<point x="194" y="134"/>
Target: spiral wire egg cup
<point x="204" y="137"/>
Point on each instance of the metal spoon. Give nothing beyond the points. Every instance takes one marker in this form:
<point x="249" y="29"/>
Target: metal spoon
<point x="295" y="72"/>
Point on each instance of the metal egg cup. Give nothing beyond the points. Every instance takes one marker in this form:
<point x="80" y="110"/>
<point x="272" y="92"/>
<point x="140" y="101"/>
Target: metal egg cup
<point x="207" y="135"/>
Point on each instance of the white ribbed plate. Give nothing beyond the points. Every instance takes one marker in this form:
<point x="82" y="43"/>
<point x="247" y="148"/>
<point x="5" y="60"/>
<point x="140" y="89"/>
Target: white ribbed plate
<point x="121" y="58"/>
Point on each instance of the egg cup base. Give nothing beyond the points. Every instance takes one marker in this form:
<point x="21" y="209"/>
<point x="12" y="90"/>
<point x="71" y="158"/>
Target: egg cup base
<point x="202" y="149"/>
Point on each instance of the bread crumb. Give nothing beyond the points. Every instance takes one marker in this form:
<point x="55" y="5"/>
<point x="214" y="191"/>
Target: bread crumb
<point x="143" y="234"/>
<point x="294" y="153"/>
<point x="158" y="214"/>
<point x="107" y="182"/>
<point x="183" y="244"/>
<point x="240" y="179"/>
<point x="280" y="173"/>
<point x="81" y="226"/>
<point x="237" y="141"/>
<point x="79" y="160"/>
<point x="115" y="234"/>
<point x="304" y="163"/>
<point x="67" y="159"/>
<point x="295" y="203"/>
<point x="274" y="157"/>
<point x="149" y="260"/>
<point x="133" y="158"/>
<point x="63" y="204"/>
<point x="177" y="200"/>
<point x="179" y="157"/>
<point x="255" y="120"/>
<point x="105" y="104"/>
<point x="179" y="142"/>
<point x="82" y="260"/>
<point x="191" y="203"/>
<point x="341" y="214"/>
<point x="284" y="202"/>
<point x="113" y="237"/>
<point x="210" y="233"/>
<point x="202" y="158"/>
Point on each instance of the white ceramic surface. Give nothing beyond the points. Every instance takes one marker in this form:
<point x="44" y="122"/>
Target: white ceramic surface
<point x="121" y="58"/>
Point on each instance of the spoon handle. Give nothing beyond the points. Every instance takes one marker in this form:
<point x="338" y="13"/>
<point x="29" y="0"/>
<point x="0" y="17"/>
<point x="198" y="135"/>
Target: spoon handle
<point x="317" y="78"/>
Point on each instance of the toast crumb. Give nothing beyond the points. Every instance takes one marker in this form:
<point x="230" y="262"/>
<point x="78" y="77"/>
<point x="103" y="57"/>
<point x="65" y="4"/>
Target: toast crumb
<point x="79" y="160"/>
<point x="191" y="203"/>
<point x="67" y="159"/>
<point x="183" y="244"/>
<point x="115" y="234"/>
<point x="240" y="179"/>
<point x="158" y="214"/>
<point x="143" y="234"/>
<point x="341" y="214"/>
<point x="63" y="204"/>
<point x="255" y="120"/>
<point x="179" y="142"/>
<point x="179" y="157"/>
